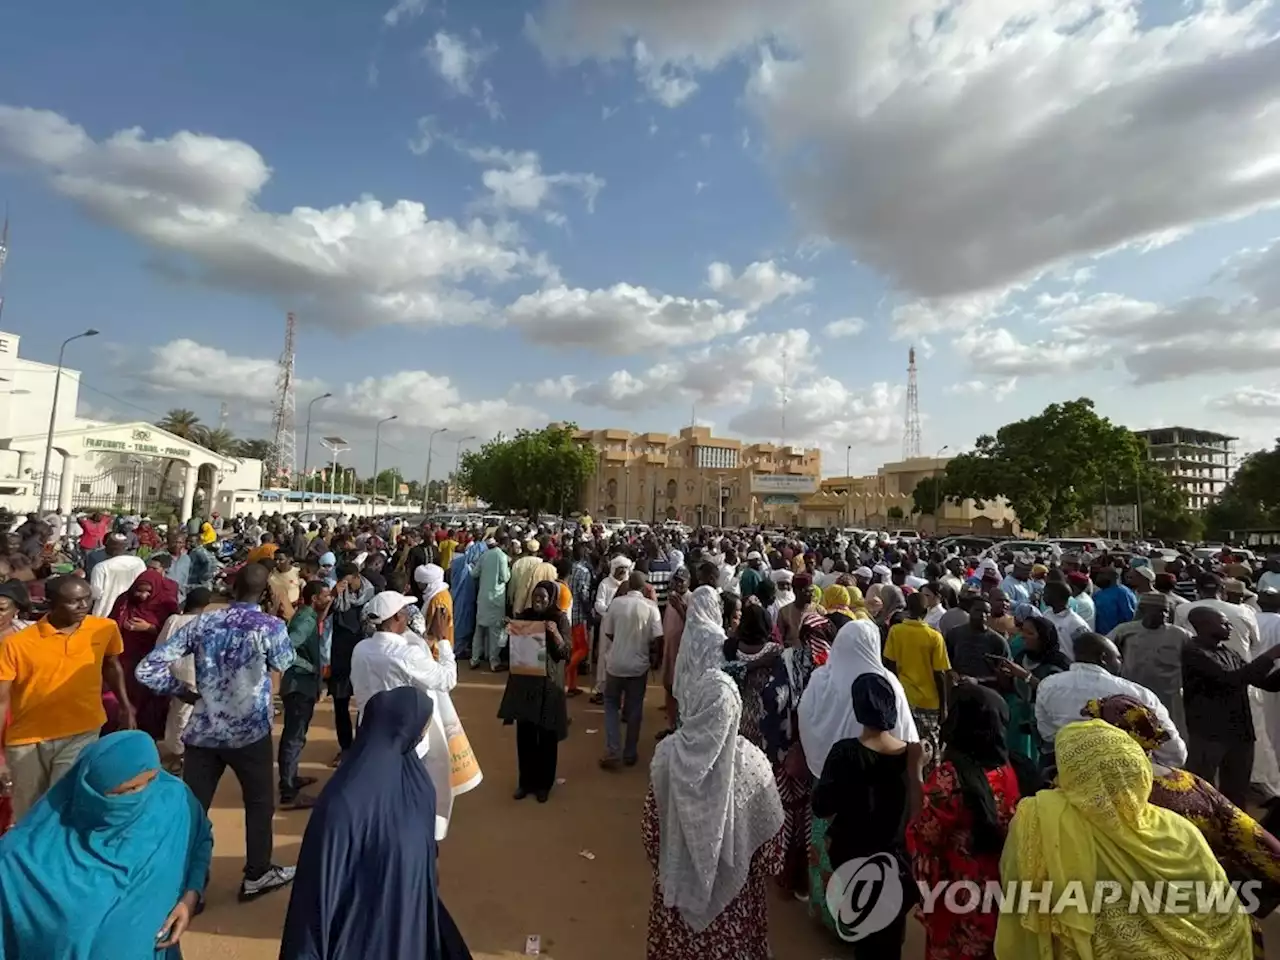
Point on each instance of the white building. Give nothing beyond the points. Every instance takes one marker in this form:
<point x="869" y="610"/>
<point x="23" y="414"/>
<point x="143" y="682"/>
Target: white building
<point x="100" y="465"/>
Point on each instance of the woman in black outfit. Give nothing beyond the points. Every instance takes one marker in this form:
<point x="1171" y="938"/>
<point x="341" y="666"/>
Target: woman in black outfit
<point x="864" y="788"/>
<point x="536" y="705"/>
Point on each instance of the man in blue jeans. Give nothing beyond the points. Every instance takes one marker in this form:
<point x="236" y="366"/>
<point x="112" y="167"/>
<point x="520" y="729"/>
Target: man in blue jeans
<point x="299" y="691"/>
<point x="632" y="624"/>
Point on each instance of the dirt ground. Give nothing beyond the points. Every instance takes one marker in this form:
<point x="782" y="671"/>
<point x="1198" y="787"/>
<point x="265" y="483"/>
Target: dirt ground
<point x="507" y="869"/>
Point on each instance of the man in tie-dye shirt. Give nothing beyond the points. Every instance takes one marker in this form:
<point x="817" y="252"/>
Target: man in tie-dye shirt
<point x="235" y="649"/>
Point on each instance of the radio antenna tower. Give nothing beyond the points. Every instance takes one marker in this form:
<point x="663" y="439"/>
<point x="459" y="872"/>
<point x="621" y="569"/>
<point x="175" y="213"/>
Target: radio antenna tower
<point x="911" y="426"/>
<point x="283" y="442"/>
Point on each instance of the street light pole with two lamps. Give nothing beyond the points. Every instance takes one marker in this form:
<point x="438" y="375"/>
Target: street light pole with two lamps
<point x="306" y="450"/>
<point x="426" y="485"/>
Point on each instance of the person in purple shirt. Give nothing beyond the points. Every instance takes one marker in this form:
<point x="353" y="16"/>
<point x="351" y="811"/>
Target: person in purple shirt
<point x="1113" y="602"/>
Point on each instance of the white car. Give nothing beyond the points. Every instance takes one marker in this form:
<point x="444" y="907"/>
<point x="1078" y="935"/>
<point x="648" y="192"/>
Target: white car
<point x="1023" y="546"/>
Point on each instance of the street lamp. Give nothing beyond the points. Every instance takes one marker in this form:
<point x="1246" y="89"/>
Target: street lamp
<point x="334" y="445"/>
<point x="426" y="484"/>
<point x="457" y="457"/>
<point x="377" y="439"/>
<point x="937" y="522"/>
<point x="53" y="414"/>
<point x="848" y="487"/>
<point x="306" y="450"/>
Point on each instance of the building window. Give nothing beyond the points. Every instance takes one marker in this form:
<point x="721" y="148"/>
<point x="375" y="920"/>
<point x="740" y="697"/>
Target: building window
<point x="673" y="489"/>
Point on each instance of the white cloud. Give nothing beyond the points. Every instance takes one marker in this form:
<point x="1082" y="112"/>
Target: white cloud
<point x="849" y="327"/>
<point x="1249" y="402"/>
<point x="624" y="319"/>
<point x="418" y="399"/>
<point x="404" y="10"/>
<point x="668" y="84"/>
<point x="457" y="64"/>
<point x="997" y="391"/>
<point x="194" y="198"/>
<point x="759" y="285"/>
<point x="514" y="178"/>
<point x="826" y="413"/>
<point x="714" y="376"/>
<point x="997" y="351"/>
<point x="960" y="147"/>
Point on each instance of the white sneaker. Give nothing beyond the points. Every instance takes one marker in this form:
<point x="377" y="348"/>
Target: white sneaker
<point x="273" y="879"/>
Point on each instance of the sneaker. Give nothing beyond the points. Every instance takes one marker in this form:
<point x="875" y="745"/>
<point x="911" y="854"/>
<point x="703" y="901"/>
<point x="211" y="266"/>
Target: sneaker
<point x="475" y="664"/>
<point x="299" y="801"/>
<point x="609" y="763"/>
<point x="301" y="782"/>
<point x="273" y="879"/>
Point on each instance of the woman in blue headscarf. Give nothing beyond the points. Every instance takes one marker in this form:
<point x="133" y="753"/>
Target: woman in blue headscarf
<point x="110" y="863"/>
<point x="464" y="584"/>
<point x="366" y="882"/>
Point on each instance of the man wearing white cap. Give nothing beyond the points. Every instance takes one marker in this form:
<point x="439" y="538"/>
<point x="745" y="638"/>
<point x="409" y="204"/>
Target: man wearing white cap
<point x="394" y="658"/>
<point x="751" y="575"/>
<point x="619" y="570"/>
<point x="114" y="575"/>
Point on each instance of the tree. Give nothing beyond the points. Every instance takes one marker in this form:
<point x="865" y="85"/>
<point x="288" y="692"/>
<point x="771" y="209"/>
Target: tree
<point x="929" y="494"/>
<point x="1053" y="468"/>
<point x="1251" y="500"/>
<point x="181" y="423"/>
<point x="894" y="513"/>
<point x="217" y="440"/>
<point x="253" y="449"/>
<point x="537" y="471"/>
<point x="438" y="491"/>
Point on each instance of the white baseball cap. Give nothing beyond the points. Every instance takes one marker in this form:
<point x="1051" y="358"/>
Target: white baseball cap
<point x="386" y="605"/>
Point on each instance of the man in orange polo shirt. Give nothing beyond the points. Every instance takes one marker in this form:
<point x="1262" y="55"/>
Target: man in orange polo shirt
<point x="51" y="677"/>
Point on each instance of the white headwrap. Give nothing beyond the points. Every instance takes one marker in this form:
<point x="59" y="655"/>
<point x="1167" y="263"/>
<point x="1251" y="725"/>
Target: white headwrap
<point x="702" y="642"/>
<point x="717" y="802"/>
<point x="826" y="708"/>
<point x="430" y="577"/>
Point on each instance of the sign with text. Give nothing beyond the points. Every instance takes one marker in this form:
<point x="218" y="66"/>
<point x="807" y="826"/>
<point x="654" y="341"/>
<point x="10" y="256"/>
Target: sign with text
<point x="136" y="446"/>
<point x="783" y="483"/>
<point x="528" y="648"/>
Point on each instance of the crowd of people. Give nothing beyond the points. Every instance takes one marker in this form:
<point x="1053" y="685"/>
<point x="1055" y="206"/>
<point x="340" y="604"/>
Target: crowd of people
<point x="826" y="699"/>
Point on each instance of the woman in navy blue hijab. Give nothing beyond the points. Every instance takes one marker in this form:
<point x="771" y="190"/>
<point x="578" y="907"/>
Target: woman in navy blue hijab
<point x="366" y="882"/>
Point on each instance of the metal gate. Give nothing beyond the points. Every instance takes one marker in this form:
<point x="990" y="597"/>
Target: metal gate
<point x="136" y="486"/>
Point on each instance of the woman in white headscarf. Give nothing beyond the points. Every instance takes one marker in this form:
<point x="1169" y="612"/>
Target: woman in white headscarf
<point x="712" y="829"/>
<point x="702" y="643"/>
<point x="826" y="718"/>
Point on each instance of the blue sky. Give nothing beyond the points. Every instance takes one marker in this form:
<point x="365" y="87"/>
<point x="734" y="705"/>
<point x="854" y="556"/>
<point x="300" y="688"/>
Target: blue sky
<point x="627" y="213"/>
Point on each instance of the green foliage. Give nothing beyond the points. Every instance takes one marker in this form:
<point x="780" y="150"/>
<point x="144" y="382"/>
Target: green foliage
<point x="894" y="513"/>
<point x="929" y="494"/>
<point x="1053" y="468"/>
<point x="253" y="450"/>
<point x="538" y="471"/>
<point x="1251" y="500"/>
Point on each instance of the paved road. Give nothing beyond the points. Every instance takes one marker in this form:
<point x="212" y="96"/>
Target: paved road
<point x="508" y="869"/>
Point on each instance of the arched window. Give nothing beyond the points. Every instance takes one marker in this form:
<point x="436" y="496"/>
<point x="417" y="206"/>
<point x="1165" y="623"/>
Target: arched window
<point x="673" y="489"/>
<point x="611" y="489"/>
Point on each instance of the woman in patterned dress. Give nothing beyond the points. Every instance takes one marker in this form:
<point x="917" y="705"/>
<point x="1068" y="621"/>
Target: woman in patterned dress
<point x="712" y="829"/>
<point x="959" y="833"/>
<point x="751" y="659"/>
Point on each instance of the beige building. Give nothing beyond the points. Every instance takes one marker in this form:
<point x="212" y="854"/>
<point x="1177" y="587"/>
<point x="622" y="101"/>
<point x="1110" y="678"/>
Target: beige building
<point x="696" y="478"/>
<point x="865" y="502"/>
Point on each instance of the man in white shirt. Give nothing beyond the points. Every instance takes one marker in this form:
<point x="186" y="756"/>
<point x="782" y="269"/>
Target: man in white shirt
<point x="393" y="657"/>
<point x="114" y="575"/>
<point x="1068" y="623"/>
<point x="619" y="570"/>
<point x="631" y="625"/>
<point x="1061" y="698"/>
<point x="954" y="577"/>
<point x="1270" y="579"/>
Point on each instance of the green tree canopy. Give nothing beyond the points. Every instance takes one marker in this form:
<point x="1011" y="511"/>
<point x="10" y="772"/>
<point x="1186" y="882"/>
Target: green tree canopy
<point x="929" y="494"/>
<point x="538" y="471"/>
<point x="1252" y="499"/>
<point x="1054" y="468"/>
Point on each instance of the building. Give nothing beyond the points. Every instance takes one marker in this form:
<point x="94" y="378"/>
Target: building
<point x="865" y="503"/>
<point x="696" y="478"/>
<point x="1198" y="462"/>
<point x="95" y="464"/>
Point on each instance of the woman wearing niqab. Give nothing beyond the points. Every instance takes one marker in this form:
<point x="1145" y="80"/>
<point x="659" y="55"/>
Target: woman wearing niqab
<point x="366" y="886"/>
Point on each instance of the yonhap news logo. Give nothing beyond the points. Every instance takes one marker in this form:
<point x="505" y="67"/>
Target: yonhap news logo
<point x="864" y="896"/>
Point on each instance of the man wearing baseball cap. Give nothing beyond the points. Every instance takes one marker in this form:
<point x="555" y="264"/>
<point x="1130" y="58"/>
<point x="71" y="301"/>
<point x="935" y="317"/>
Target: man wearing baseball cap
<point x="393" y="657"/>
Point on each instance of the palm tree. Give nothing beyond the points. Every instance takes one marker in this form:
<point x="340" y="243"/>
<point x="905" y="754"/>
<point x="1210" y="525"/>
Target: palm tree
<point x="181" y="423"/>
<point x="218" y="440"/>
<point x="254" y="449"/>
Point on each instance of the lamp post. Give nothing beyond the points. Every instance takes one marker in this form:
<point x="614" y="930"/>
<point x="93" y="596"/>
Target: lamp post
<point x="457" y="457"/>
<point x="848" y="487"/>
<point x="335" y="445"/>
<point x="937" y="522"/>
<point x="53" y="414"/>
<point x="377" y="439"/>
<point x="306" y="449"/>
<point x="426" y="484"/>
